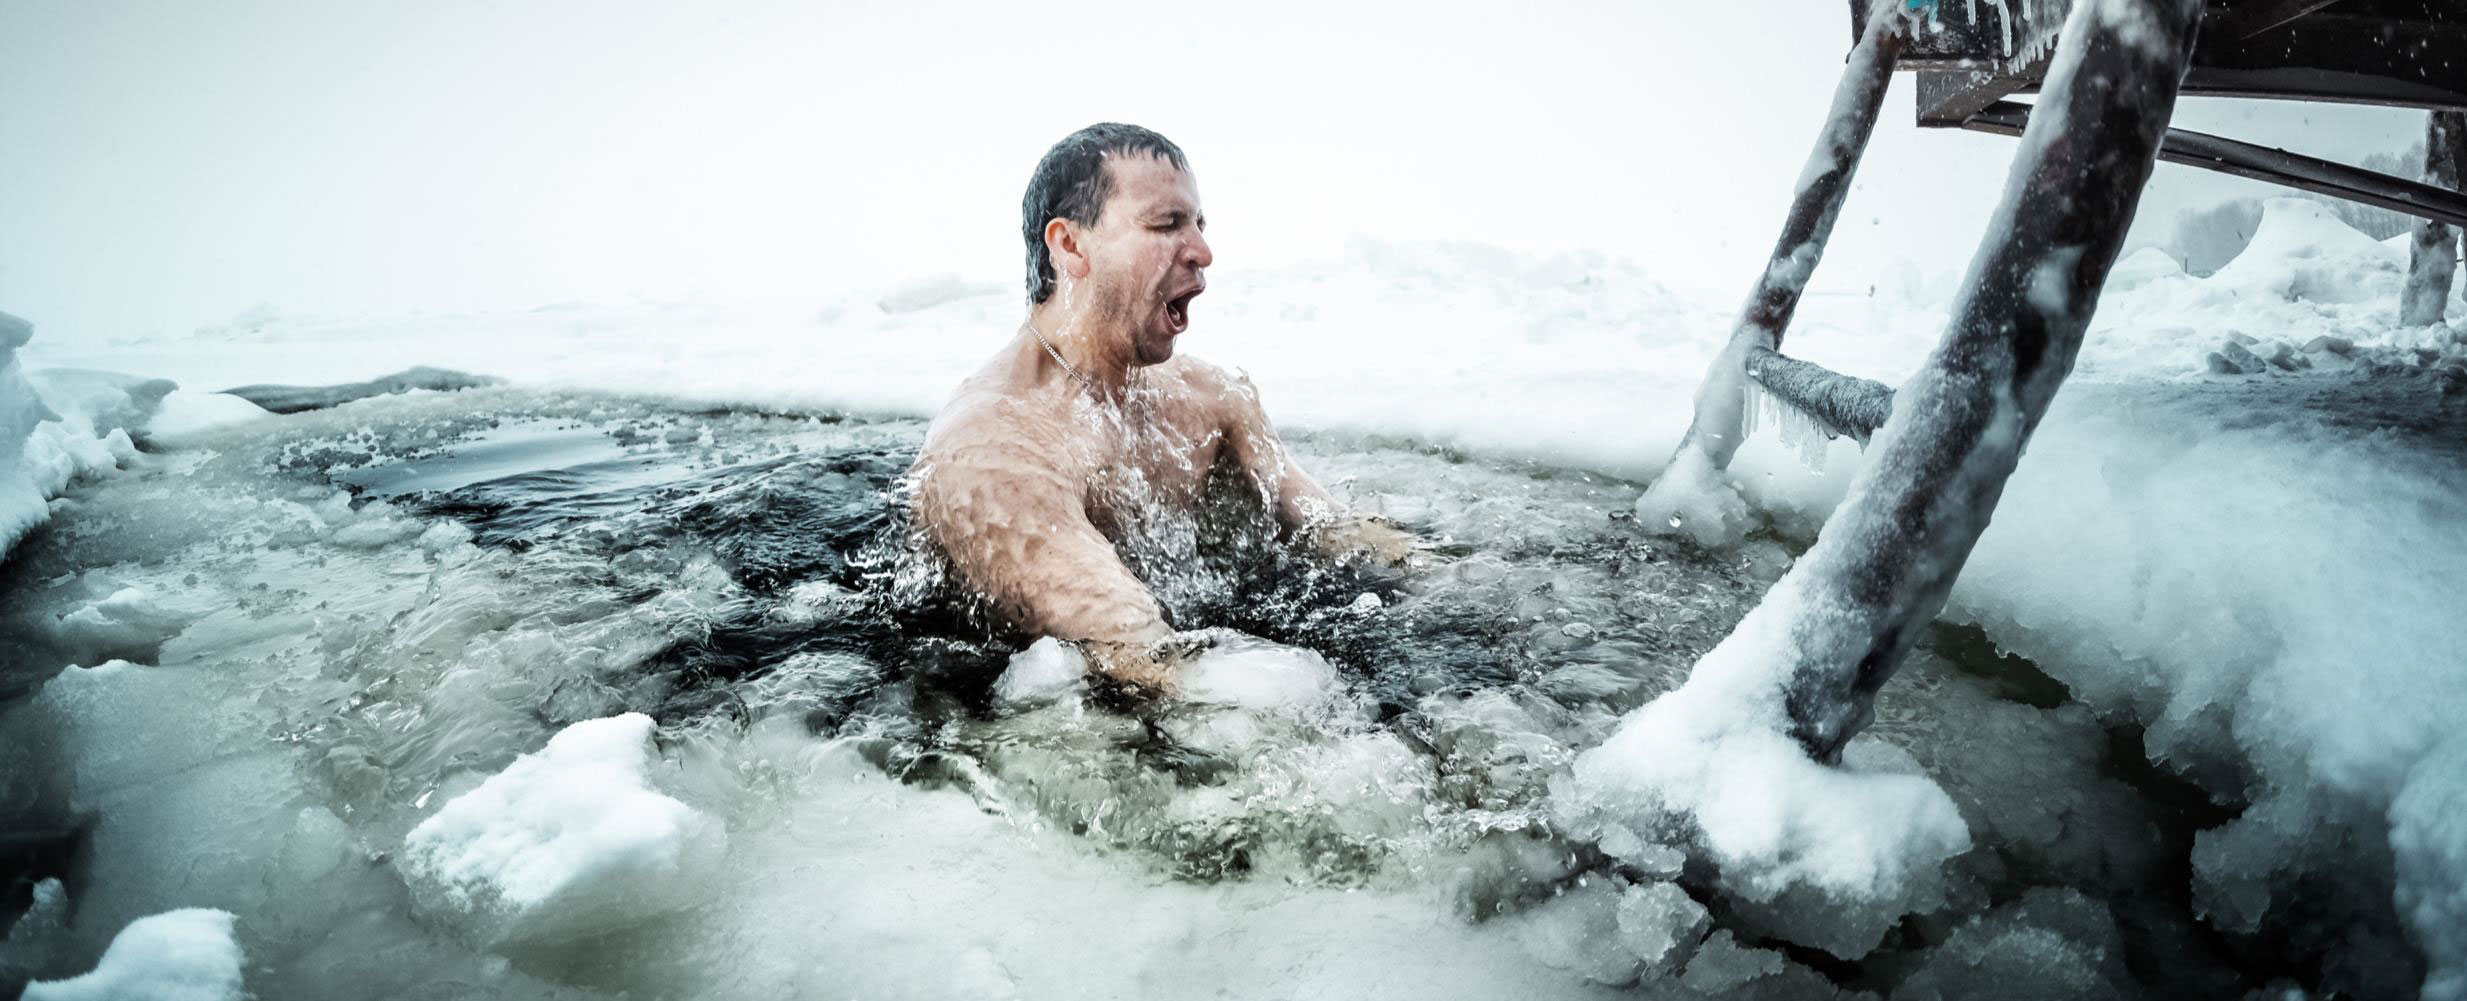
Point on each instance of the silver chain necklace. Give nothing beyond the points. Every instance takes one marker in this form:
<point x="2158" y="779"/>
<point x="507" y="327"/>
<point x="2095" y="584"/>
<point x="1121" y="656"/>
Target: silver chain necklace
<point x="1084" y="381"/>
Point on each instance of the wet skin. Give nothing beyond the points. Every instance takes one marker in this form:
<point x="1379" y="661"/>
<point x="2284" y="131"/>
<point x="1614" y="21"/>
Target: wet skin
<point x="1037" y="467"/>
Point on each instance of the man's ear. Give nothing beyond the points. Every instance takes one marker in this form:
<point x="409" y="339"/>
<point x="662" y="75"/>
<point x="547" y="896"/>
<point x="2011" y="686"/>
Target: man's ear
<point x="1062" y="242"/>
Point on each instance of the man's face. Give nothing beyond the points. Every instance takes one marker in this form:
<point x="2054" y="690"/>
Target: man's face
<point x="1145" y="254"/>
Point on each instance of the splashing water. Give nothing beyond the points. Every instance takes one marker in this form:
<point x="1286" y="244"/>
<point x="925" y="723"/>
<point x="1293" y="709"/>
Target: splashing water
<point x="331" y="633"/>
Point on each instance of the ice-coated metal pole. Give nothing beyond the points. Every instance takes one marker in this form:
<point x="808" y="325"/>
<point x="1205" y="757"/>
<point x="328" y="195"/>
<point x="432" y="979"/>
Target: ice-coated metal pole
<point x="1720" y="410"/>
<point x="1887" y="558"/>
<point x="2433" y="255"/>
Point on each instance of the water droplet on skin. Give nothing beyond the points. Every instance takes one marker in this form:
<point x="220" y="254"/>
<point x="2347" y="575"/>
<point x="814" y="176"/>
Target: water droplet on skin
<point x="1674" y="521"/>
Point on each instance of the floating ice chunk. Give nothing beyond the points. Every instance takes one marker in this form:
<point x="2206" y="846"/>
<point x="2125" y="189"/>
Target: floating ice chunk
<point x="1662" y="925"/>
<point x="1694" y="499"/>
<point x="184" y="955"/>
<point x="2051" y="945"/>
<point x="128" y="623"/>
<point x="817" y="601"/>
<point x="1722" y="964"/>
<point x="1045" y="671"/>
<point x="444" y="536"/>
<point x="1579" y="931"/>
<point x="1256" y="674"/>
<point x="565" y="841"/>
<point x="372" y="533"/>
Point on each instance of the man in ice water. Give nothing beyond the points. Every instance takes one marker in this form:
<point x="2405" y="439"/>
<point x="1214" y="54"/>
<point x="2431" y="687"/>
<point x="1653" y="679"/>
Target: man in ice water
<point x="1086" y="422"/>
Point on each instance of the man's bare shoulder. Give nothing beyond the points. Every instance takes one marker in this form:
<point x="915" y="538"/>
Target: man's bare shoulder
<point x="1226" y="392"/>
<point x="996" y="428"/>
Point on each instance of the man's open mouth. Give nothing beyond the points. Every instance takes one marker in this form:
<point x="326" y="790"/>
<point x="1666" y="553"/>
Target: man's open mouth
<point x="1178" y="309"/>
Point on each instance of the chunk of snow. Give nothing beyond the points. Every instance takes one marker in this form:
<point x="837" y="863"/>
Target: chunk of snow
<point x="1043" y="672"/>
<point x="184" y="955"/>
<point x="566" y="841"/>
<point x="1828" y="856"/>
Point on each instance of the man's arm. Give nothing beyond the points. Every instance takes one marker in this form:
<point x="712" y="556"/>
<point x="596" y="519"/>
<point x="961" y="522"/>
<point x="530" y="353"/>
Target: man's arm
<point x="1302" y="505"/>
<point x="1018" y="531"/>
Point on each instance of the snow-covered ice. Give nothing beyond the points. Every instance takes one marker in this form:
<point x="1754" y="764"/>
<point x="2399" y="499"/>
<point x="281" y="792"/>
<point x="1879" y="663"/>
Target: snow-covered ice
<point x="566" y="841"/>
<point x="184" y="955"/>
<point x="1826" y="856"/>
<point x="2245" y="582"/>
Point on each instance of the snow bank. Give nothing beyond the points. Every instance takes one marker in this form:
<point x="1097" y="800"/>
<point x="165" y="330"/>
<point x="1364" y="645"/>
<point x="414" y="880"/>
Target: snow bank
<point x="22" y="494"/>
<point x="2303" y="252"/>
<point x="564" y="842"/>
<point x="184" y="955"/>
<point x="59" y="424"/>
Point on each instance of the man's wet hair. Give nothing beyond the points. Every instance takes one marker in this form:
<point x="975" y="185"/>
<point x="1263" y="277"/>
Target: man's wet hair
<point x="1071" y="182"/>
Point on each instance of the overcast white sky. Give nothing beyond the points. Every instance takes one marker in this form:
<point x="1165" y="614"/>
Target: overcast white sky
<point x="168" y="164"/>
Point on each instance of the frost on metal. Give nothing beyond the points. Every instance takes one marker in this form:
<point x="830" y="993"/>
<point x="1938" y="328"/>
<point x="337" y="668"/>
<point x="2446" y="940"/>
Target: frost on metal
<point x="1719" y="422"/>
<point x="2433" y="256"/>
<point x="1888" y="557"/>
<point x="1827" y="841"/>
<point x="1830" y="402"/>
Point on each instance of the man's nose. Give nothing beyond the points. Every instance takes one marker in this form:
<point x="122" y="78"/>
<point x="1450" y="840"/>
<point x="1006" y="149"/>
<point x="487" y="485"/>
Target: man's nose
<point x="1197" y="252"/>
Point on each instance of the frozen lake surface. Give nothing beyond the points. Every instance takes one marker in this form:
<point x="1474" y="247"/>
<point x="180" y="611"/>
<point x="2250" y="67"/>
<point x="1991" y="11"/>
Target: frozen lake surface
<point x="622" y="680"/>
<point x="318" y="635"/>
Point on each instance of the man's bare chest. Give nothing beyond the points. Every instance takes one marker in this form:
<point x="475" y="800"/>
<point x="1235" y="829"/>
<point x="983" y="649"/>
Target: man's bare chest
<point x="1166" y="459"/>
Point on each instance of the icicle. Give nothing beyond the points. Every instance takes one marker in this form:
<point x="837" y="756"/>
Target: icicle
<point x="2004" y="17"/>
<point x="1805" y="436"/>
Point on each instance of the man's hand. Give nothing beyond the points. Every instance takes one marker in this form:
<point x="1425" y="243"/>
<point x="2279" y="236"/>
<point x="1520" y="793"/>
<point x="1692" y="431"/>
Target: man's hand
<point x="1152" y="667"/>
<point x="1372" y="539"/>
